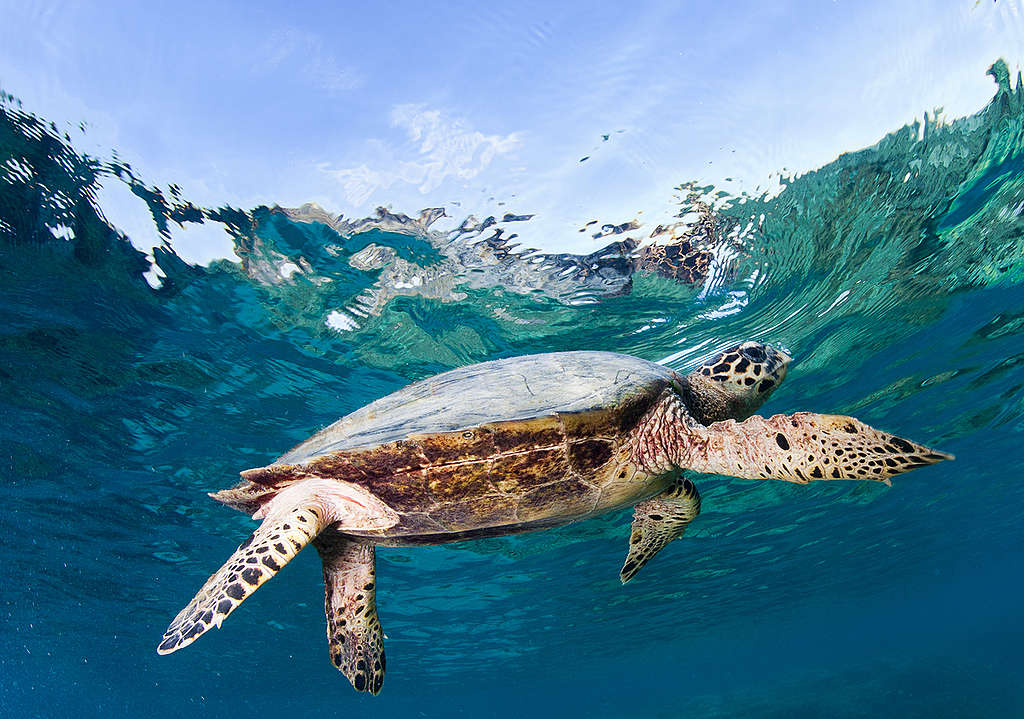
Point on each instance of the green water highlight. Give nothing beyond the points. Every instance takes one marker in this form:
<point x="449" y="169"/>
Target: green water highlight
<point x="893" y="275"/>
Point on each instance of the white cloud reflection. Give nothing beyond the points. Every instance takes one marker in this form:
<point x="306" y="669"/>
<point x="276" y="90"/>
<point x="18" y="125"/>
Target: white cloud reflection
<point x="306" y="56"/>
<point x="443" y="147"/>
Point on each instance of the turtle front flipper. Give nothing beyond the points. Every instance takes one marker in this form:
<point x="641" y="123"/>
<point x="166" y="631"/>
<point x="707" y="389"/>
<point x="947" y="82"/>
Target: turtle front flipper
<point x="657" y="521"/>
<point x="801" y="448"/>
<point x="291" y="520"/>
<point x="353" y="630"/>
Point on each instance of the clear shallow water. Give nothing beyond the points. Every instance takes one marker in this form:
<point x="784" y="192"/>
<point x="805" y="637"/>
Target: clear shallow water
<point x="893" y="275"/>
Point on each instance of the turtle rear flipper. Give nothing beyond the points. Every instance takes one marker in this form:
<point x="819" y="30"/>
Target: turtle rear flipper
<point x="353" y="630"/>
<point x="290" y="521"/>
<point x="657" y="521"/>
<point x="803" y="447"/>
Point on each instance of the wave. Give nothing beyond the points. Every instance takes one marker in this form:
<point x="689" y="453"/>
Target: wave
<point x="892" y="231"/>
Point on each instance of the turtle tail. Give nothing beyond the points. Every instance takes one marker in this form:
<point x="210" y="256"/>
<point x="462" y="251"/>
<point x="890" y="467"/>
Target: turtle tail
<point x="279" y="538"/>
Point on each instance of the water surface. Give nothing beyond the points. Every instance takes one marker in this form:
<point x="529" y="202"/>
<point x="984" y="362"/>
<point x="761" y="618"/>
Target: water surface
<point x="133" y="385"/>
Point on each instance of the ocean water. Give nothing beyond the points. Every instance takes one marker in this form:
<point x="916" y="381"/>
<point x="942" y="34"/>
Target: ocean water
<point x="131" y="385"/>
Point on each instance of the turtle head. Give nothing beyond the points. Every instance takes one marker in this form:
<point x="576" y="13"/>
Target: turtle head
<point x="736" y="382"/>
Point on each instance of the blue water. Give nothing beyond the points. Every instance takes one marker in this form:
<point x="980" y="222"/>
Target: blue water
<point x="894" y="275"/>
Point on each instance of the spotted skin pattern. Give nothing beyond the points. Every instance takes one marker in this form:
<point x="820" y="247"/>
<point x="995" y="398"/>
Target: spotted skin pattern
<point x="493" y="477"/>
<point x="732" y="384"/>
<point x="745" y="366"/>
<point x="502" y="477"/>
<point x="735" y="383"/>
<point x="658" y="521"/>
<point x="797" y="448"/>
<point x="800" y="448"/>
<point x="354" y="634"/>
<point x="256" y="560"/>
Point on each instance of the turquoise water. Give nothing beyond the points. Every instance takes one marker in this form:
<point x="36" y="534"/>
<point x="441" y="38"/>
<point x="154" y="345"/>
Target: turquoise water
<point x="893" y="275"/>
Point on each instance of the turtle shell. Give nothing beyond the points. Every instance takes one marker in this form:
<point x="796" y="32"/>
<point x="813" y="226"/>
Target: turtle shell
<point x="523" y="440"/>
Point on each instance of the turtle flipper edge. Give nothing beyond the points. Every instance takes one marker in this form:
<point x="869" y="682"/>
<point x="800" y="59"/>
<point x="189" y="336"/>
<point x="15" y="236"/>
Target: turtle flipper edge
<point x="291" y="520"/>
<point x="657" y="521"/>
<point x="256" y="560"/>
<point x="803" y="447"/>
<point x="353" y="629"/>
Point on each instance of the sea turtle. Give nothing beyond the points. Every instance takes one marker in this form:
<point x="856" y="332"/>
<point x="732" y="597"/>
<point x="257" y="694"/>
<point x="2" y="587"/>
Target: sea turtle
<point x="516" y="445"/>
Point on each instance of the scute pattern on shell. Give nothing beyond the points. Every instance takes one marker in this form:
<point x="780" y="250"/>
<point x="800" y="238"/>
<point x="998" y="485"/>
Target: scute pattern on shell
<point x="507" y="390"/>
<point x="496" y="474"/>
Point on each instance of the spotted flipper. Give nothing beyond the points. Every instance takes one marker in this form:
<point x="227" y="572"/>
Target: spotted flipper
<point x="353" y="630"/>
<point x="657" y="521"/>
<point x="292" y="517"/>
<point x="802" y="447"/>
<point x="256" y="560"/>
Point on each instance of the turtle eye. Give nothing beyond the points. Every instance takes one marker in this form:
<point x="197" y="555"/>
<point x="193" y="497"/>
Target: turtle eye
<point x="754" y="353"/>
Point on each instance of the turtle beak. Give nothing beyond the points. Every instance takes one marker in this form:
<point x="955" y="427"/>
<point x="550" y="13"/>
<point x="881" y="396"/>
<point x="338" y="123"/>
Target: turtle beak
<point x="776" y="364"/>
